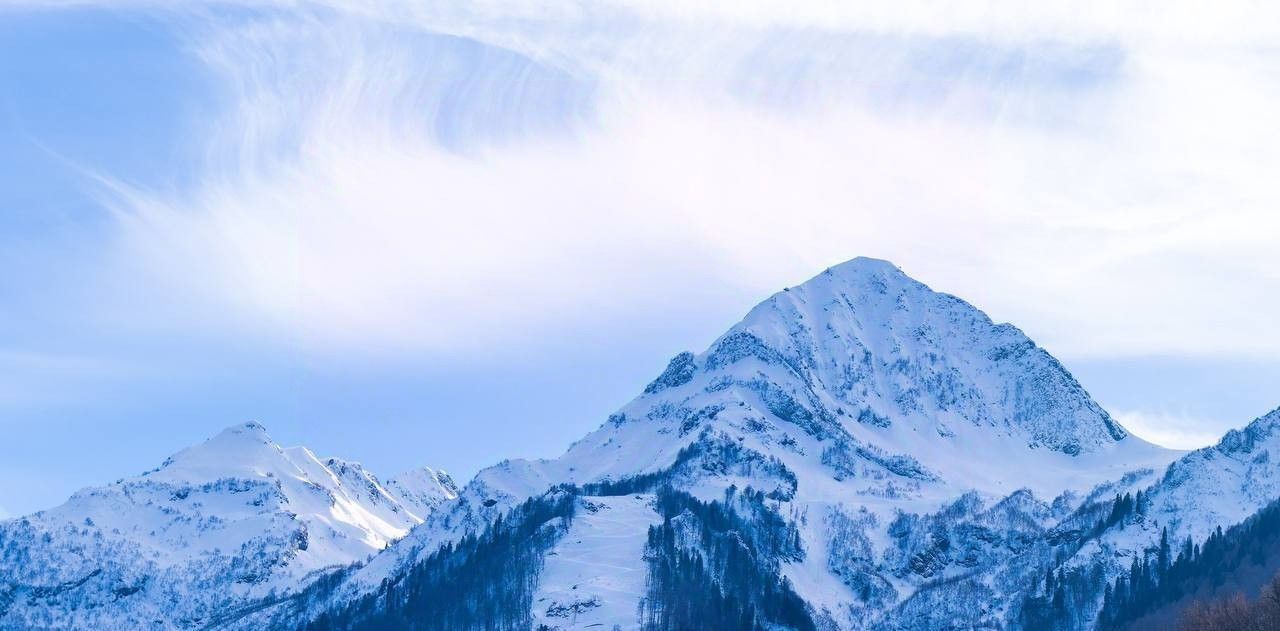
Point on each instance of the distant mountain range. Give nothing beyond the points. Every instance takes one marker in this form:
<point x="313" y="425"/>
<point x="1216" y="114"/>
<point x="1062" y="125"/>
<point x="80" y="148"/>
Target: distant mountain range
<point x="860" y="452"/>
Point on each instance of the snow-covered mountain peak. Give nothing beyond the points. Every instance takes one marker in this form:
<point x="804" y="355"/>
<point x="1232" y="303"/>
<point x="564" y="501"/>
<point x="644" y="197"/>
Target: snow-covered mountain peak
<point x="1221" y="484"/>
<point x="866" y="335"/>
<point x="238" y="436"/>
<point x="860" y="384"/>
<point x="909" y="449"/>
<point x="860" y="380"/>
<point x="232" y="520"/>
<point x="863" y="269"/>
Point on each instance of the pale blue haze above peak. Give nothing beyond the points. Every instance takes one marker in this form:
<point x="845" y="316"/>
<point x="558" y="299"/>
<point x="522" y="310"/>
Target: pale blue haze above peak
<point x="445" y="235"/>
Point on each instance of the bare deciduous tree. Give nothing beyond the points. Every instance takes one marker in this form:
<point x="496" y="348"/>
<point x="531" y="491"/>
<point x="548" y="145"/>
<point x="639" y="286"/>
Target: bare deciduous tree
<point x="1236" y="613"/>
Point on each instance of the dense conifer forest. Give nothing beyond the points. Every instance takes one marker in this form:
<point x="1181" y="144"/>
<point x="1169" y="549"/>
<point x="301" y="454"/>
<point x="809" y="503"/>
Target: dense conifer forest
<point x="709" y="568"/>
<point x="1064" y="599"/>
<point x="1228" y="563"/>
<point x="483" y="582"/>
<point x="711" y="565"/>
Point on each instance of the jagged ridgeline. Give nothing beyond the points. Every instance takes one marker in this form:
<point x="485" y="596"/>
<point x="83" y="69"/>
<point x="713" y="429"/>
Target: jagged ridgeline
<point x="710" y="565"/>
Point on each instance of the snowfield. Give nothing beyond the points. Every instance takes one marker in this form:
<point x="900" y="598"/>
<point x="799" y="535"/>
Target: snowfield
<point x="595" y="576"/>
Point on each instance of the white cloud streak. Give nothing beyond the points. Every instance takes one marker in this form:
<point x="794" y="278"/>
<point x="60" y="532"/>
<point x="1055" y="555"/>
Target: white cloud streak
<point x="1174" y="430"/>
<point x="1101" y="178"/>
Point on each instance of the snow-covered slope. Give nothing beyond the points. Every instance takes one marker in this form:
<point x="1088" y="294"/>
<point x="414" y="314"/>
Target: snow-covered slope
<point x="1223" y="484"/>
<point x="595" y="576"/>
<point x="218" y="526"/>
<point x="423" y="490"/>
<point x="874" y="411"/>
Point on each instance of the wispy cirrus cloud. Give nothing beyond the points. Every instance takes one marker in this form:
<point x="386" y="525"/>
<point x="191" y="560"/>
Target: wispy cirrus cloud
<point x="400" y="177"/>
<point x="428" y="198"/>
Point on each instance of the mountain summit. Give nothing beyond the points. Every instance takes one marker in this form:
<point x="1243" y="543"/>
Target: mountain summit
<point x="867" y="411"/>
<point x="864" y="367"/>
<point x="865" y="334"/>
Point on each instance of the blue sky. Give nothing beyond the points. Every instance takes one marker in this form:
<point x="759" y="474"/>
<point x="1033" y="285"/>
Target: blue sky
<point x="447" y="235"/>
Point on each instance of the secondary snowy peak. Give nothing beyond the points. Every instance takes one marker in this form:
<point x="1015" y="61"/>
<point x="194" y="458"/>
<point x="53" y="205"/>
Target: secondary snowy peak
<point x="230" y="521"/>
<point x="240" y="450"/>
<point x="424" y="489"/>
<point x="355" y="496"/>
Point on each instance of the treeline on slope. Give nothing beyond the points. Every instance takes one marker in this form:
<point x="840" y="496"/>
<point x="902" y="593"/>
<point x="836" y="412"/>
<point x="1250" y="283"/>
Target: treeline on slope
<point x="1240" y="559"/>
<point x="710" y="453"/>
<point x="451" y="588"/>
<point x="486" y="581"/>
<point x="712" y="568"/>
<point x="483" y="582"/>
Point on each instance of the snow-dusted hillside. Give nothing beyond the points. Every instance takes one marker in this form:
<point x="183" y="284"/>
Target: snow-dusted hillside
<point x="1220" y="485"/>
<point x="1217" y="486"/>
<point x="914" y="441"/>
<point x="218" y="526"/>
